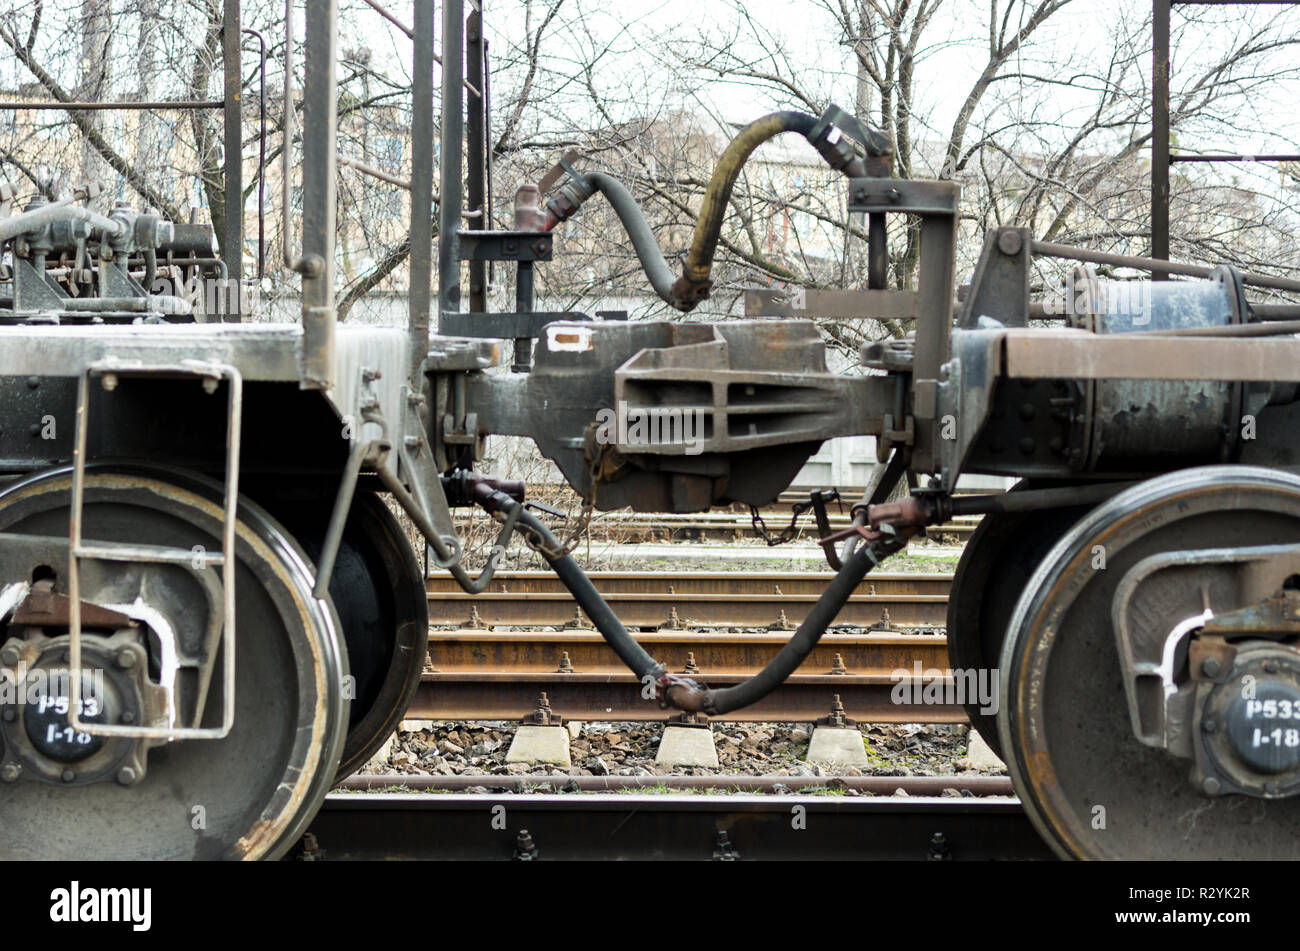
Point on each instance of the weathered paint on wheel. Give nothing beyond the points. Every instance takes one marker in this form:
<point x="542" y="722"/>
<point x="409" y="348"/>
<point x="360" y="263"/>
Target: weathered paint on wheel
<point x="246" y="796"/>
<point x="383" y="606"/>
<point x="1090" y="787"/>
<point x="1000" y="557"/>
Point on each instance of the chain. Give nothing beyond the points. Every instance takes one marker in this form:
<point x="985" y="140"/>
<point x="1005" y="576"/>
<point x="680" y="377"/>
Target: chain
<point x="575" y="535"/>
<point x="787" y="534"/>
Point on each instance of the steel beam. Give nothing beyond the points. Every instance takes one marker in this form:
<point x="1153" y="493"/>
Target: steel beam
<point x="319" y="141"/>
<point x="232" y="239"/>
<point x="476" y="134"/>
<point x="421" y="188"/>
<point x="1160" y="133"/>
<point x="452" y="142"/>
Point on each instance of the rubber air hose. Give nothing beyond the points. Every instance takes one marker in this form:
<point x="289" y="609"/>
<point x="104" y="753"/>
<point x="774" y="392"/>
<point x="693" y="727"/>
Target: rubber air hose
<point x="681" y="692"/>
<point x="694" y="284"/>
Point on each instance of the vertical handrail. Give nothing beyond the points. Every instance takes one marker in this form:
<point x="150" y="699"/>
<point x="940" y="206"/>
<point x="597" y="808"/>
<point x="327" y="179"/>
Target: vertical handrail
<point x="319" y="186"/>
<point x="421" y="189"/>
<point x="1160" y="132"/>
<point x="261" y="152"/>
<point x="476" y="137"/>
<point x="232" y="243"/>
<point x="452" y="141"/>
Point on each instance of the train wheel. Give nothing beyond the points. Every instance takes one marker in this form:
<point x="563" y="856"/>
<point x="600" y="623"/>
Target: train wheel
<point x="378" y="588"/>
<point x="1121" y="757"/>
<point x="245" y="796"/>
<point x="1000" y="557"/>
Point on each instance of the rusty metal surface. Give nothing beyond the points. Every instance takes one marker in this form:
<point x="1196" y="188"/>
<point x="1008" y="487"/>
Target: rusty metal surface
<point x="486" y="676"/>
<point x="656" y="600"/>
<point x="975" y="784"/>
<point x="512" y="654"/>
<point x="1063" y="354"/>
<point x="802" y="698"/>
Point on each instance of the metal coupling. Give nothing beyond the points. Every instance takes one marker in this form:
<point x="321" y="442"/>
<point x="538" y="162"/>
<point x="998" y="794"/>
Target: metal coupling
<point x="567" y="201"/>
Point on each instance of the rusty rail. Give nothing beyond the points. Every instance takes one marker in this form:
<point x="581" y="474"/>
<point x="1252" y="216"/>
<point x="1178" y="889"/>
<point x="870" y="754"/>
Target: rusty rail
<point x="481" y="675"/>
<point x="653" y="600"/>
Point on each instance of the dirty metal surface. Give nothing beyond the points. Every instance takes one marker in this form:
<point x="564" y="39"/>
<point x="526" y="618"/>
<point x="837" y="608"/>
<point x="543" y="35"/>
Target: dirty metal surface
<point x="361" y="826"/>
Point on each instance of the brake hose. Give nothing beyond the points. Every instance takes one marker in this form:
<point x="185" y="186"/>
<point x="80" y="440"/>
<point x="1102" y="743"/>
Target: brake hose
<point x="694" y="284"/>
<point x="675" y="690"/>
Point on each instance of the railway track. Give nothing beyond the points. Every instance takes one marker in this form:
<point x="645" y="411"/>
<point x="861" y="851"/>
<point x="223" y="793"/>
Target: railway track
<point x="491" y="655"/>
<point x="491" y="675"/>
<point x="656" y="600"/>
<point x="685" y="826"/>
<point x="734" y="526"/>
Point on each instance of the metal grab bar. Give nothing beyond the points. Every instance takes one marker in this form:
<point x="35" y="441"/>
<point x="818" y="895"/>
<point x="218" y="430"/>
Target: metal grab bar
<point x="261" y="153"/>
<point x="309" y="265"/>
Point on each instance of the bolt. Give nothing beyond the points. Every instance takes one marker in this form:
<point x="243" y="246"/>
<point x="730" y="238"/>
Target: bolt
<point x="10" y="772"/>
<point x="1211" y="786"/>
<point x="1211" y="667"/>
<point x="126" y="775"/>
<point x="1027" y="445"/>
<point x="127" y="717"/>
<point x="413" y="442"/>
<point x="10" y="715"/>
<point x="939" y="849"/>
<point x="108" y="381"/>
<point x="125" y="658"/>
<point x="723" y="850"/>
<point x="69" y="775"/>
<point x="566" y="664"/>
<point x="10" y="655"/>
<point x="525" y="847"/>
<point x="210" y="385"/>
<point x="837" y="665"/>
<point x="540" y="247"/>
<point x="1210" y="725"/>
<point x="33" y="382"/>
<point x="34" y="429"/>
<point x="1271" y="788"/>
<point x="1270" y="666"/>
<point x="1009" y="243"/>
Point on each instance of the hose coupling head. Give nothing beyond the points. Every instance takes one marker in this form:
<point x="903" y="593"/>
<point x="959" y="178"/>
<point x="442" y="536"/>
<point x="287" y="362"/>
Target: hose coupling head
<point x="851" y="146"/>
<point x="687" y="292"/>
<point x="571" y="196"/>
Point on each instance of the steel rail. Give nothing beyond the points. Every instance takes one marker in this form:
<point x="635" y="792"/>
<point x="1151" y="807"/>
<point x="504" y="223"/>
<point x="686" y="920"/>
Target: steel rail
<point x="771" y="600"/>
<point x="609" y="826"/>
<point x="479" y="675"/>
<point x="967" y="784"/>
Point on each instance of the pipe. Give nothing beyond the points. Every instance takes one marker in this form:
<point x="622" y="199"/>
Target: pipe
<point x="715" y="702"/>
<point x="1030" y="500"/>
<point x="693" y="286"/>
<point x="48" y="214"/>
<point x="638" y="229"/>
<point x="1053" y="250"/>
<point x="682" y="692"/>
